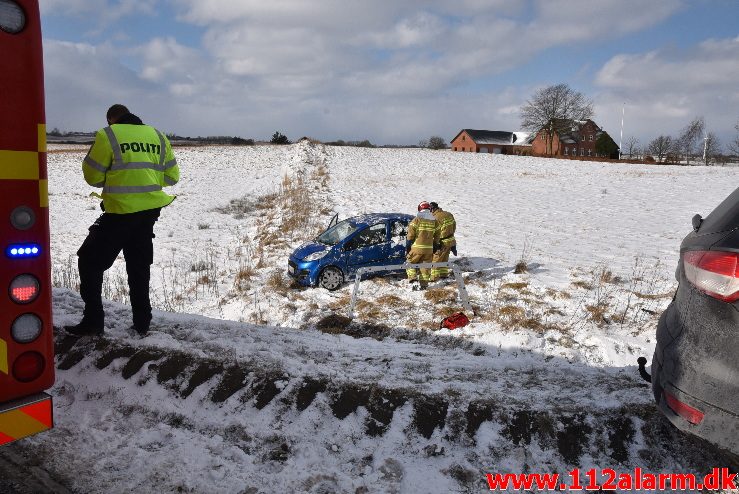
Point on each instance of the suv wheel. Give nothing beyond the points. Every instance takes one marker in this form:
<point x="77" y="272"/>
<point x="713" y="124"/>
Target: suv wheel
<point x="331" y="278"/>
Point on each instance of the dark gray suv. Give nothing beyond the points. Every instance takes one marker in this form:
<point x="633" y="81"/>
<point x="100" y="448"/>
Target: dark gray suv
<point x="695" y="369"/>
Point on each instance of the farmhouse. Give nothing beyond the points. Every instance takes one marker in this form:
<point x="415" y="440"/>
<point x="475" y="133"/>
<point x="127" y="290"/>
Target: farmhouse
<point x="491" y="141"/>
<point x="571" y="138"/>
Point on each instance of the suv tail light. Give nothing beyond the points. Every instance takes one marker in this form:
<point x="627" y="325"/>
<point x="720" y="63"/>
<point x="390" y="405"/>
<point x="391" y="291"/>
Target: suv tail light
<point x="714" y="273"/>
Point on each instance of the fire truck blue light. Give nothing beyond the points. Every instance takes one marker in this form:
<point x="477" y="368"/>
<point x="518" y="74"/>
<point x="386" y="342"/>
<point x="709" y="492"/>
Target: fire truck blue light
<point x="23" y="251"/>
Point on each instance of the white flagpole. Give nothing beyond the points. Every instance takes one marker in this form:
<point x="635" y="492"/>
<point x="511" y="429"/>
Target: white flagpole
<point x="623" y="110"/>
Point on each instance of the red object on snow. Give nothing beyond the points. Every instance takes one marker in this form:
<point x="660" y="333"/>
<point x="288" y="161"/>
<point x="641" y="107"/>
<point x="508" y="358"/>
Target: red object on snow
<point x="457" y="320"/>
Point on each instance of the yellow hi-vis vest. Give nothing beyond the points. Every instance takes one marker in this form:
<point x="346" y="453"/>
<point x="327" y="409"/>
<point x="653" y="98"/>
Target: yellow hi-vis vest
<point x="132" y="163"/>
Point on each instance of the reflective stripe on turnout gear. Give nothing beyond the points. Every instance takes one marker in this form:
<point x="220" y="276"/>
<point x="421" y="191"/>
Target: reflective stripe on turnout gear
<point x="445" y="226"/>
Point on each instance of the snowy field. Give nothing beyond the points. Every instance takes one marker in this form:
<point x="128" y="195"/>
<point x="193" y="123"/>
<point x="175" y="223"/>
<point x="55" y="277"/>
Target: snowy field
<point x="250" y="384"/>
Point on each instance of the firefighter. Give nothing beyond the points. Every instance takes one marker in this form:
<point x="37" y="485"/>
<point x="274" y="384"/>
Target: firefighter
<point x="419" y="245"/>
<point x="132" y="162"/>
<point x="446" y="243"/>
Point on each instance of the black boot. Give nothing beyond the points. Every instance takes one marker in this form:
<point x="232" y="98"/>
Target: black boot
<point x="85" y="328"/>
<point x="139" y="330"/>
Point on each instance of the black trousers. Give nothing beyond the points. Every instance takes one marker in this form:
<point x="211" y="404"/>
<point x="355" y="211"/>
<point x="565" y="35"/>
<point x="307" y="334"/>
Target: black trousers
<point x="132" y="233"/>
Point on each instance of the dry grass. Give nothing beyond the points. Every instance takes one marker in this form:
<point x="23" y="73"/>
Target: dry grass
<point x="513" y="317"/>
<point x="243" y="278"/>
<point x="606" y="276"/>
<point x="556" y="294"/>
<point x="369" y="310"/>
<point x="511" y="314"/>
<point x="654" y="296"/>
<point x="392" y="301"/>
<point x="430" y="325"/>
<point x="445" y="311"/>
<point x="341" y="303"/>
<point x="333" y="324"/>
<point x="278" y="282"/>
<point x="440" y="295"/>
<point x="521" y="267"/>
<point x="583" y="284"/>
<point x="598" y="313"/>
<point x="514" y="286"/>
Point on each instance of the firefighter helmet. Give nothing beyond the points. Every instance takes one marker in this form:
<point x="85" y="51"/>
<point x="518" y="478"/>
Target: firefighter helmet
<point x="424" y="205"/>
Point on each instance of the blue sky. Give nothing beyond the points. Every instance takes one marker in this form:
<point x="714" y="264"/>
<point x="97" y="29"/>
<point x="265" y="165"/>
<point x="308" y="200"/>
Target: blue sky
<point x="391" y="72"/>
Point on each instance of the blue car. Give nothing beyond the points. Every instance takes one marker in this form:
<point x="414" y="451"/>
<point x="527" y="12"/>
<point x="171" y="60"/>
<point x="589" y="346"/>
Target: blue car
<point x="376" y="239"/>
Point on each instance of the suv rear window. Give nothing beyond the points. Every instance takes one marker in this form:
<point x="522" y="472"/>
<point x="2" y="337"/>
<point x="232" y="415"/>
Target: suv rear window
<point x="724" y="217"/>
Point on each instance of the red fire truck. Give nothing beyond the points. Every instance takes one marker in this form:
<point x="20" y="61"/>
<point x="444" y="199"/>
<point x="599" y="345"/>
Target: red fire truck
<point x="26" y="332"/>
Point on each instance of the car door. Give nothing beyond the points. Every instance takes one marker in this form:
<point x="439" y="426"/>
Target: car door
<point x="368" y="247"/>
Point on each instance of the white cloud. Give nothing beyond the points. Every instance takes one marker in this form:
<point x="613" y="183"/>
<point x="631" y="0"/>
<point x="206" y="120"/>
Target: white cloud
<point x="100" y="13"/>
<point x="389" y="71"/>
<point x="665" y="89"/>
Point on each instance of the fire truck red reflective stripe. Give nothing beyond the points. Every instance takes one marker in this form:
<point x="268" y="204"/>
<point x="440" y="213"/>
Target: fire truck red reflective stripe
<point x="17" y="424"/>
<point x="5" y="439"/>
<point x="40" y="411"/>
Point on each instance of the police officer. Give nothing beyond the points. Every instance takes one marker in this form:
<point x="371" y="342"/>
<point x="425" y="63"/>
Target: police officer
<point x="132" y="162"/>
<point x="446" y="243"/>
<point x="420" y="240"/>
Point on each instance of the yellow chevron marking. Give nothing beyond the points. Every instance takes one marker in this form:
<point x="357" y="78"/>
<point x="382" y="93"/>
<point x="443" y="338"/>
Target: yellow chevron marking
<point x="19" y="165"/>
<point x="17" y="424"/>
<point x="3" y="356"/>
<point x="41" y="138"/>
<point x="43" y="193"/>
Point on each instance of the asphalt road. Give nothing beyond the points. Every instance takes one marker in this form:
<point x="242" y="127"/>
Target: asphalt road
<point x="19" y="475"/>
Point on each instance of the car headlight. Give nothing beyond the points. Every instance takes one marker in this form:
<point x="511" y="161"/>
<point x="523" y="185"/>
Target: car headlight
<point x="316" y="255"/>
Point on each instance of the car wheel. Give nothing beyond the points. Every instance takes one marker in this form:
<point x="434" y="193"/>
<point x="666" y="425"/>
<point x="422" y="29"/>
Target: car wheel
<point x="331" y="278"/>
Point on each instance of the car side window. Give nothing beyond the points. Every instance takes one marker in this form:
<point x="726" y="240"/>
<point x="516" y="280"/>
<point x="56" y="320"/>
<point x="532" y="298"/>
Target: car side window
<point x="373" y="235"/>
<point x="398" y="230"/>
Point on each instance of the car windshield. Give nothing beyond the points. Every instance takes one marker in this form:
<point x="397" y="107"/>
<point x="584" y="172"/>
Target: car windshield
<point x="337" y="233"/>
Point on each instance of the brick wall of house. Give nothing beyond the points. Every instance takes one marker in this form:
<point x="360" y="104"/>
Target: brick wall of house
<point x="463" y="142"/>
<point x="539" y="144"/>
<point x="584" y="148"/>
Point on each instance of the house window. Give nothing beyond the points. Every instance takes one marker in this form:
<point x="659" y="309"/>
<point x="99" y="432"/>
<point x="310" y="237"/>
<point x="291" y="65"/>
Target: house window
<point x="566" y="148"/>
<point x="582" y="151"/>
<point x="462" y="149"/>
<point x="455" y="148"/>
<point x="590" y="137"/>
<point x="463" y="138"/>
<point x="590" y="152"/>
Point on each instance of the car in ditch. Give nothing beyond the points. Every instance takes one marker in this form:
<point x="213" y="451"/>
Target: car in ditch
<point x="695" y="368"/>
<point x="333" y="257"/>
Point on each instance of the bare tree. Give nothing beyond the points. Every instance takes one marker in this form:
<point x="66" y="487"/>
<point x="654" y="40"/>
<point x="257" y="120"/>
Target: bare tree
<point x="552" y="110"/>
<point x="689" y="137"/>
<point x="437" y="142"/>
<point x="660" y="146"/>
<point x="712" y="149"/>
<point x="734" y="145"/>
<point x="632" y="147"/>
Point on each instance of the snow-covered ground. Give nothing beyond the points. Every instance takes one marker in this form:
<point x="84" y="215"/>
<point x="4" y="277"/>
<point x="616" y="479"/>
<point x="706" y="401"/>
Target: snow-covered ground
<point x="250" y="384"/>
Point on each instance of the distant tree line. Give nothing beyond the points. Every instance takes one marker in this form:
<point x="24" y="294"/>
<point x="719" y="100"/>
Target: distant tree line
<point x="694" y="143"/>
<point x="358" y="144"/>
